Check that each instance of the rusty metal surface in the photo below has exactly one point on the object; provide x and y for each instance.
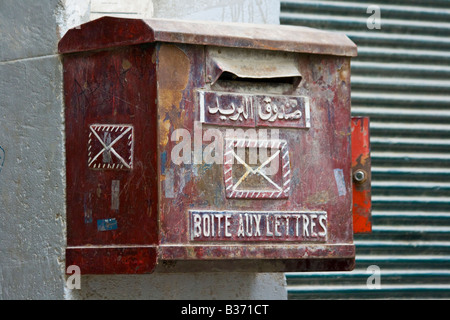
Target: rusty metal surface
(318, 170)
(361, 168)
(260, 265)
(256, 252)
(165, 167)
(112, 32)
(110, 173)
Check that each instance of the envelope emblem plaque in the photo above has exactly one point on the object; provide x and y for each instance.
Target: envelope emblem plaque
(110, 147)
(256, 169)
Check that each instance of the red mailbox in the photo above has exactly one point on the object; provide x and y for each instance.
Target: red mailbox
(201, 146)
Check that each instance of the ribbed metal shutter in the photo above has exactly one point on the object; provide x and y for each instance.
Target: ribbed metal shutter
(401, 79)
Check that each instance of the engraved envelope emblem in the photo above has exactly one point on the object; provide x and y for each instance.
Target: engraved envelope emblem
(257, 175)
(110, 146)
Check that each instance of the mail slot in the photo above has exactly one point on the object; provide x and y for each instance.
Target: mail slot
(201, 146)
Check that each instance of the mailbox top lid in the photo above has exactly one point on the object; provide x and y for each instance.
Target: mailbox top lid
(109, 32)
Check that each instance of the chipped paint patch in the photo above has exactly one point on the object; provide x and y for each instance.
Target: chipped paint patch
(169, 184)
(340, 181)
(163, 162)
(87, 205)
(174, 67)
(126, 64)
(107, 224)
(115, 191)
(320, 197)
(165, 129)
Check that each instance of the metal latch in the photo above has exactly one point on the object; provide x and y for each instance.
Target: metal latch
(361, 172)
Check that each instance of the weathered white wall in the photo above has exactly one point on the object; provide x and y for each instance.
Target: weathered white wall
(195, 286)
(32, 210)
(119, 8)
(71, 14)
(251, 11)
(32, 175)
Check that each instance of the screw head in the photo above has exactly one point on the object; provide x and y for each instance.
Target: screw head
(359, 176)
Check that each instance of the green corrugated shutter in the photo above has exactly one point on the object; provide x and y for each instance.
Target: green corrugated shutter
(401, 80)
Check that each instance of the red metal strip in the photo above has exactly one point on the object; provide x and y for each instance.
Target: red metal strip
(256, 251)
(361, 168)
(107, 260)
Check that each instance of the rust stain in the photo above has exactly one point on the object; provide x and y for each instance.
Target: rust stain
(126, 64)
(319, 197)
(164, 126)
(174, 69)
(344, 73)
(154, 56)
(99, 191)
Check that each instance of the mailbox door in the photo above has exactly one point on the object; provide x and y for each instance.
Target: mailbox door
(111, 159)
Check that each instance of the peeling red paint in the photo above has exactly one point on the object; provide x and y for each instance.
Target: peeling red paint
(361, 163)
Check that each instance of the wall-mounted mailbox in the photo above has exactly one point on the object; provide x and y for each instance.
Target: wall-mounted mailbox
(201, 146)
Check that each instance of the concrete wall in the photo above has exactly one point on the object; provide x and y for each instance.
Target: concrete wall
(32, 174)
(32, 209)
(252, 11)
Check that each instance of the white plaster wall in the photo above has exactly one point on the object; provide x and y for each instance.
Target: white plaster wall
(251, 11)
(32, 210)
(71, 14)
(195, 286)
(140, 9)
(32, 173)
